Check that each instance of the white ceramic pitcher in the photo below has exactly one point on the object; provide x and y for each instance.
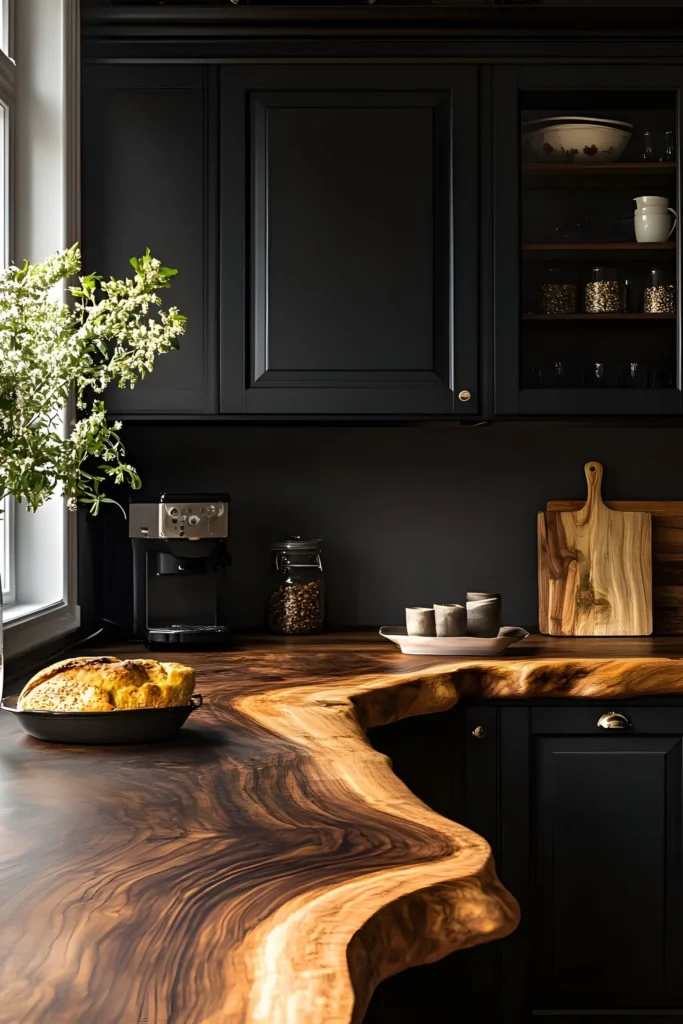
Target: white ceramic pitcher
(654, 219)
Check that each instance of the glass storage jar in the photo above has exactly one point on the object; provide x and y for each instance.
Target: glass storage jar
(559, 291)
(660, 294)
(604, 292)
(297, 599)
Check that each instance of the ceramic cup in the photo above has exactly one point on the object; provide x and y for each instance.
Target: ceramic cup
(483, 614)
(451, 619)
(651, 202)
(420, 621)
(654, 224)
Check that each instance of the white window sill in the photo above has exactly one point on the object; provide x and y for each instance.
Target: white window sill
(14, 611)
(27, 626)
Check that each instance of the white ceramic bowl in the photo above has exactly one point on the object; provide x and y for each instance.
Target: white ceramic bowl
(574, 119)
(580, 143)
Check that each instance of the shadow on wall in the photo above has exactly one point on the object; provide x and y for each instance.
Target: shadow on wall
(408, 514)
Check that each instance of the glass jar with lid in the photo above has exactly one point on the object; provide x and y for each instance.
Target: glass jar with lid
(603, 292)
(660, 294)
(297, 597)
(559, 291)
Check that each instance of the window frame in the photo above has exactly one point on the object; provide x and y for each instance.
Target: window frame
(45, 216)
(8, 109)
(8, 563)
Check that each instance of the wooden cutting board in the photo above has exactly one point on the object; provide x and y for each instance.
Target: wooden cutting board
(595, 568)
(667, 557)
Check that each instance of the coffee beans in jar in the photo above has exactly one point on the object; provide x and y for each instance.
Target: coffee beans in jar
(660, 295)
(660, 299)
(296, 608)
(604, 293)
(559, 291)
(297, 600)
(558, 298)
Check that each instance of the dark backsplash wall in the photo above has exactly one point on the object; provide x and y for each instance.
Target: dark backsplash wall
(409, 514)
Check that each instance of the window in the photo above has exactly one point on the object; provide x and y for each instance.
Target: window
(7, 551)
(39, 203)
(7, 92)
(7, 86)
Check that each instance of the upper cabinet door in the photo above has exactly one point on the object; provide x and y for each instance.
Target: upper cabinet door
(150, 155)
(586, 311)
(349, 241)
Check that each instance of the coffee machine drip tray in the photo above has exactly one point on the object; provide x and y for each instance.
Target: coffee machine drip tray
(187, 636)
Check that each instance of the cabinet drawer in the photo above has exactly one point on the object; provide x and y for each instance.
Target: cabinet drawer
(583, 720)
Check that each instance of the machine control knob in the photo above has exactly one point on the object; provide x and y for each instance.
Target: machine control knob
(194, 520)
(173, 512)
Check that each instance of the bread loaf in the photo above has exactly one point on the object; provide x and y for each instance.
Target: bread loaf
(108, 684)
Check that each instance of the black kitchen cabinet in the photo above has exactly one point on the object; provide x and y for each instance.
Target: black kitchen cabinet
(149, 179)
(352, 190)
(585, 317)
(361, 222)
(587, 827)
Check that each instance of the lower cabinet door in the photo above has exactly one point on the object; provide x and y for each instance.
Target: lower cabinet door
(606, 909)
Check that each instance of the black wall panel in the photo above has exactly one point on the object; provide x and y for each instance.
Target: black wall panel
(409, 514)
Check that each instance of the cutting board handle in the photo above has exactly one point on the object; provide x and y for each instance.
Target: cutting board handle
(593, 472)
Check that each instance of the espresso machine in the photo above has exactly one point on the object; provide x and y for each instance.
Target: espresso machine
(179, 560)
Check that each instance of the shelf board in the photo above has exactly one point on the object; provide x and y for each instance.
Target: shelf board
(631, 169)
(544, 318)
(643, 247)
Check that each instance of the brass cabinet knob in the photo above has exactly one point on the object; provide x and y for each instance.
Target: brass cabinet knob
(613, 721)
(479, 731)
(465, 396)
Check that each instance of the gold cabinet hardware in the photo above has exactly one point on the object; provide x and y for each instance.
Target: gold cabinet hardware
(479, 731)
(465, 395)
(613, 720)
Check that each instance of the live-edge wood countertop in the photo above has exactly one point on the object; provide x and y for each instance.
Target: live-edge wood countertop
(267, 867)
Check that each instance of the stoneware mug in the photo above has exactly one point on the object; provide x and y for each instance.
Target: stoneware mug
(450, 619)
(420, 621)
(483, 614)
(654, 223)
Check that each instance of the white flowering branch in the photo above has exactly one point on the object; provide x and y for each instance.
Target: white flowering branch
(50, 350)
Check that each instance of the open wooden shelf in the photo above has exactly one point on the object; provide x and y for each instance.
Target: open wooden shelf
(542, 318)
(599, 246)
(632, 169)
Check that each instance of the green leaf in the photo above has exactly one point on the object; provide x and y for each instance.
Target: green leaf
(107, 335)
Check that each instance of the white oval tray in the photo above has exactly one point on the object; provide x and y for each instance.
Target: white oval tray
(455, 646)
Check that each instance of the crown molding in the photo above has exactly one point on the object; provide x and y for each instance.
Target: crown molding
(429, 21)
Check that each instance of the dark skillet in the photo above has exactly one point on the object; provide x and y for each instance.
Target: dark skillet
(142, 725)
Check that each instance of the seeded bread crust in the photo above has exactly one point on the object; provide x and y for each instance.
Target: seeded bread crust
(108, 684)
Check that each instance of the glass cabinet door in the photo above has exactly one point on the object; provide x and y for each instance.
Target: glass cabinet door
(587, 268)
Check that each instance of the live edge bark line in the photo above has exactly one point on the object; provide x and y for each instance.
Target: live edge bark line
(268, 866)
(449, 898)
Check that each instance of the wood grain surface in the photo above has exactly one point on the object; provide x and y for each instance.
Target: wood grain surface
(267, 866)
(667, 557)
(595, 568)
